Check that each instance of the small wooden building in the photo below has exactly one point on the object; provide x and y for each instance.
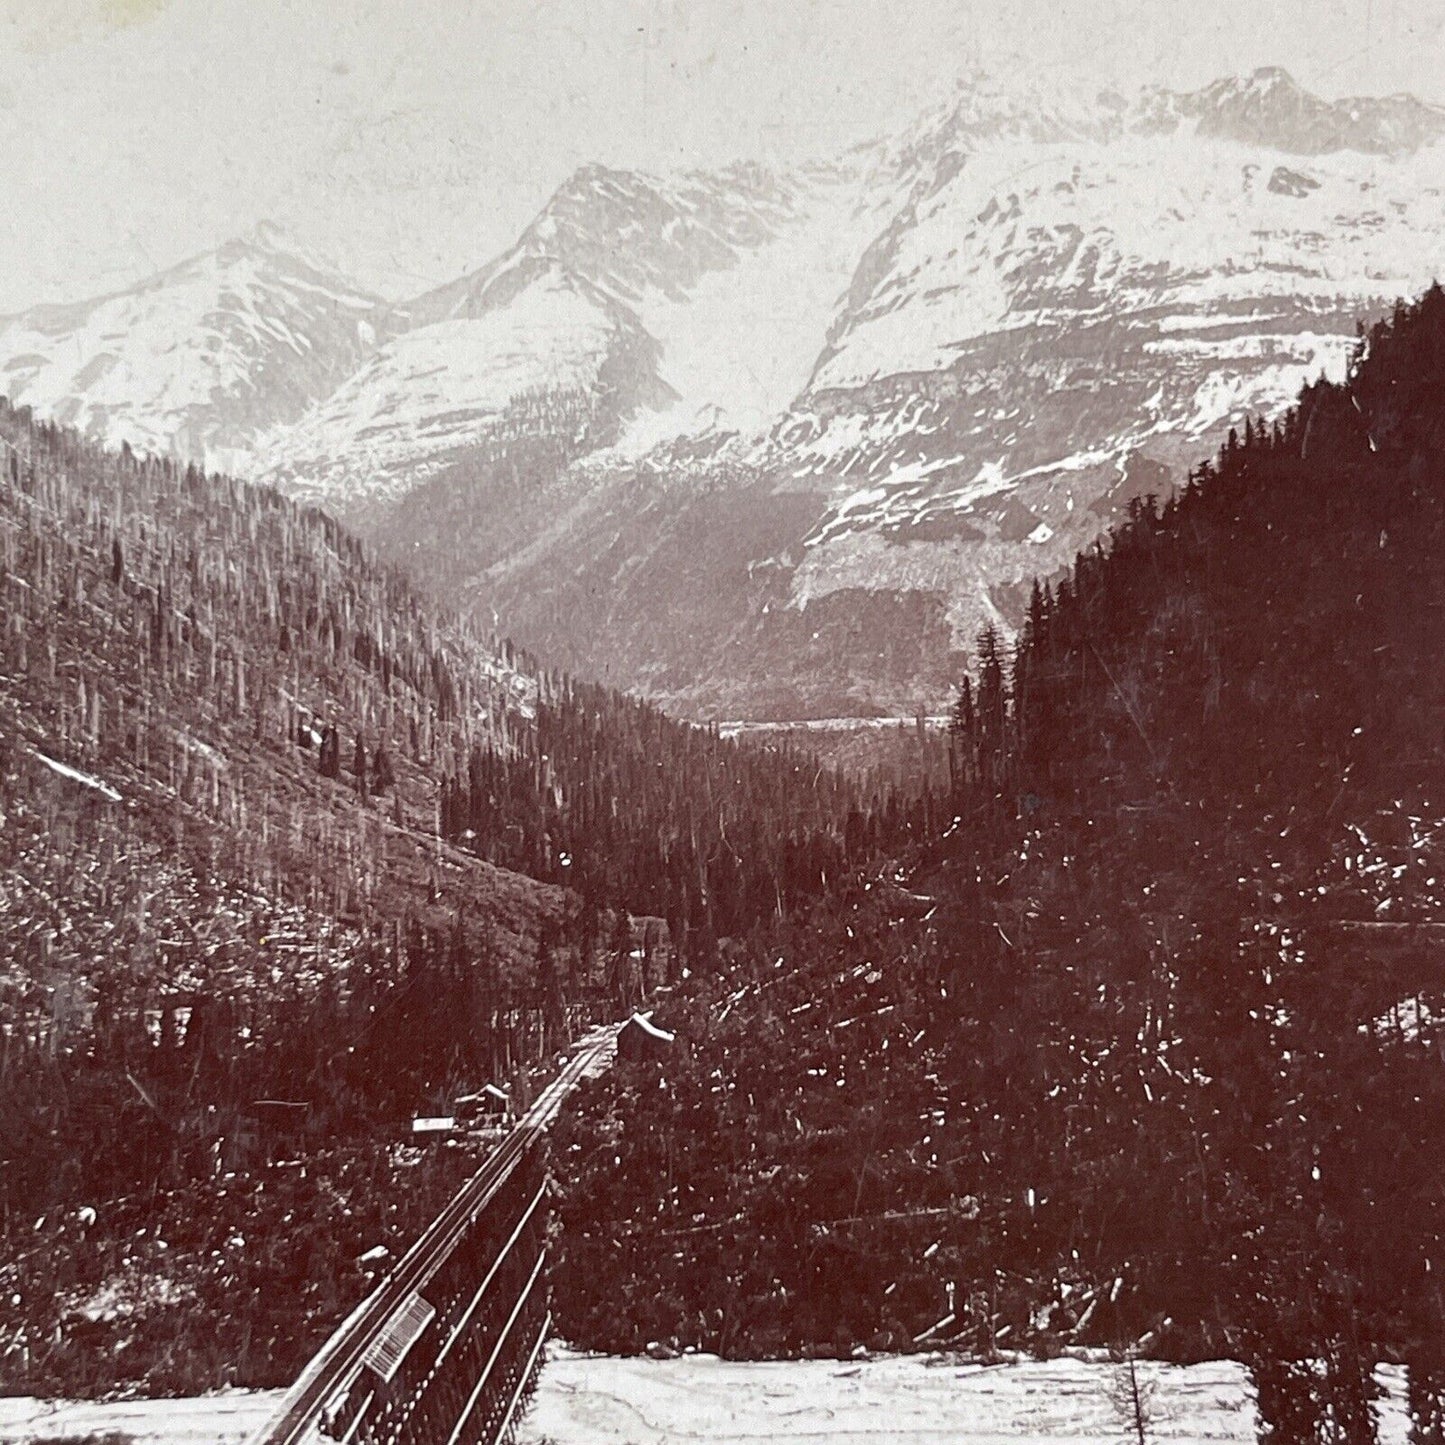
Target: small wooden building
(640, 1038)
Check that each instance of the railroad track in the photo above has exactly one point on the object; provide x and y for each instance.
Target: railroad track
(340, 1359)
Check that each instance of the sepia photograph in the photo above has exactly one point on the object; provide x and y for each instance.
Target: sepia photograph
(722, 721)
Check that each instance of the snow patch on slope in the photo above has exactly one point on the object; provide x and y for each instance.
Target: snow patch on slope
(74, 775)
(741, 344)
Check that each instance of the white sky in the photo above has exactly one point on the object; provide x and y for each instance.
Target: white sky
(411, 139)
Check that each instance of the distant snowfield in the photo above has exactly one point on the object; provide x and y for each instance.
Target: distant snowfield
(192, 344)
(1138, 224)
(437, 389)
(599, 1400)
(742, 343)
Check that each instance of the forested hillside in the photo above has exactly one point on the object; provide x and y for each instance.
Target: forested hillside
(1144, 1045)
(274, 826)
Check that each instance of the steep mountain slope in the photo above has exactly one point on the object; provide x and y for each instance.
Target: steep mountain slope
(176, 651)
(198, 360)
(440, 389)
(289, 851)
(886, 390)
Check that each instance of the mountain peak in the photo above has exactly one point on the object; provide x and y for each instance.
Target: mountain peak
(1264, 107)
(271, 236)
(270, 241)
(633, 232)
(1266, 79)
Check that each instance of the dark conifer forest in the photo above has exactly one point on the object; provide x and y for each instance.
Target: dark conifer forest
(1143, 1045)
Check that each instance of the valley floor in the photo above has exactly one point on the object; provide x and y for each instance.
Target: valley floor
(596, 1400)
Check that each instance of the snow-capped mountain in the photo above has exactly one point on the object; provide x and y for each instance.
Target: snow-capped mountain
(628, 292)
(199, 359)
(1049, 305)
(1268, 109)
(762, 441)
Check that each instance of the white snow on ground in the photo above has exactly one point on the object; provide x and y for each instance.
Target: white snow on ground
(76, 776)
(593, 1400)
(597, 1400)
(212, 1420)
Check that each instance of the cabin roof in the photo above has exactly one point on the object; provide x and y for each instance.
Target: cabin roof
(643, 1022)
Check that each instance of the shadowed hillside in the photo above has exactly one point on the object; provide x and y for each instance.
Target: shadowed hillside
(1146, 1045)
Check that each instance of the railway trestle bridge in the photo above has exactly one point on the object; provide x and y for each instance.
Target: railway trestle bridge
(445, 1351)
